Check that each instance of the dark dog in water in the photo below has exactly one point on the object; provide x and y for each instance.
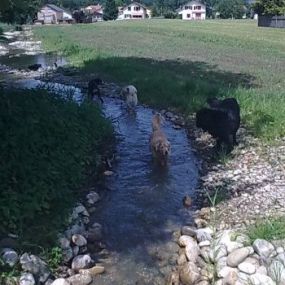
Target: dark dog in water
(231, 107)
(93, 88)
(35, 67)
(218, 124)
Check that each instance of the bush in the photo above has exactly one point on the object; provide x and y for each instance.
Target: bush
(47, 145)
(170, 15)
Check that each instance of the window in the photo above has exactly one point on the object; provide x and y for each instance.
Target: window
(186, 7)
(137, 16)
(127, 16)
(188, 16)
(197, 7)
(129, 8)
(137, 8)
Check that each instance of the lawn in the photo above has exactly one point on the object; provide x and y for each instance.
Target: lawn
(179, 64)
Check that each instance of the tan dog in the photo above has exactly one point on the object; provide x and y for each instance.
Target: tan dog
(159, 144)
(129, 94)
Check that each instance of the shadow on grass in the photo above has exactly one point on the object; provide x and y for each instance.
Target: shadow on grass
(176, 84)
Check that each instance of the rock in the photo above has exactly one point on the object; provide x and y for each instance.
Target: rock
(95, 233)
(279, 250)
(200, 223)
(243, 239)
(93, 271)
(9, 256)
(108, 173)
(205, 253)
(184, 240)
(260, 279)
(173, 279)
(261, 270)
(230, 278)
(225, 271)
(67, 255)
(75, 229)
(204, 243)
(238, 256)
(60, 281)
(191, 247)
(218, 252)
(276, 271)
(247, 268)
(75, 250)
(233, 246)
(81, 210)
(189, 273)
(36, 266)
(181, 259)
(81, 262)
(221, 263)
(187, 201)
(204, 234)
(64, 243)
(79, 240)
(92, 198)
(204, 282)
(263, 247)
(27, 279)
(188, 231)
(80, 279)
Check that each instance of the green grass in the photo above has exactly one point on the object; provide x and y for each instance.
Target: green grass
(49, 147)
(179, 64)
(269, 229)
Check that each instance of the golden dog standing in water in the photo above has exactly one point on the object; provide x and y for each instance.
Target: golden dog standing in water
(159, 144)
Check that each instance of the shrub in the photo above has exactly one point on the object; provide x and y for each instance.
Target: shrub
(170, 15)
(47, 145)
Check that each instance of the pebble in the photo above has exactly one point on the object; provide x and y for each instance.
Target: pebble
(80, 279)
(247, 268)
(81, 262)
(263, 247)
(93, 271)
(79, 240)
(238, 256)
(60, 281)
(9, 256)
(260, 279)
(27, 279)
(189, 273)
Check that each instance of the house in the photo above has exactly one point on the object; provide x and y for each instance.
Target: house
(193, 10)
(94, 13)
(134, 11)
(52, 14)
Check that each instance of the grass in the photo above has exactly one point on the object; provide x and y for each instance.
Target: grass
(269, 229)
(179, 64)
(49, 146)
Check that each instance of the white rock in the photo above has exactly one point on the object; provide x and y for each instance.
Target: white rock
(276, 271)
(27, 279)
(80, 279)
(192, 250)
(279, 250)
(80, 209)
(261, 270)
(204, 243)
(189, 273)
(238, 256)
(263, 247)
(81, 262)
(64, 243)
(221, 263)
(92, 198)
(79, 240)
(75, 250)
(60, 281)
(230, 278)
(260, 279)
(184, 240)
(226, 271)
(247, 268)
(9, 256)
(231, 246)
(204, 234)
(218, 252)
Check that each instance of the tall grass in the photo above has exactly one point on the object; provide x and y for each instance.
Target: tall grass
(48, 147)
(178, 64)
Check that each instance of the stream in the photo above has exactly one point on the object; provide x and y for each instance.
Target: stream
(141, 204)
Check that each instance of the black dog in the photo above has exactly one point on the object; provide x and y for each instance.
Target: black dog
(93, 89)
(35, 67)
(218, 124)
(231, 107)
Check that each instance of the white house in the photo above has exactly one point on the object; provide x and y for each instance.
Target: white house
(51, 14)
(94, 13)
(134, 11)
(193, 10)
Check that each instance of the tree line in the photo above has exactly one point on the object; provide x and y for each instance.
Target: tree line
(23, 11)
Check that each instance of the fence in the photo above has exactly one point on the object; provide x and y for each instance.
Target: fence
(271, 21)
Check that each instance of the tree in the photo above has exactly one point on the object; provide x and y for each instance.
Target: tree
(110, 11)
(18, 11)
(231, 8)
(269, 7)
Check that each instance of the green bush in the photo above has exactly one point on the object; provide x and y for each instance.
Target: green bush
(47, 146)
(170, 15)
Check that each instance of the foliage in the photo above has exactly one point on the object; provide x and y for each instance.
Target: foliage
(170, 15)
(18, 11)
(269, 7)
(268, 229)
(178, 64)
(110, 11)
(231, 9)
(47, 145)
(53, 257)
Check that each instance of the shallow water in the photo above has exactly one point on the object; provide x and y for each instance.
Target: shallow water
(144, 204)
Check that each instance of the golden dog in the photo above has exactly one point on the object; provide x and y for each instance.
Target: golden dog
(159, 144)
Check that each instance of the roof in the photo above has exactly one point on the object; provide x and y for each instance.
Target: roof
(94, 7)
(55, 8)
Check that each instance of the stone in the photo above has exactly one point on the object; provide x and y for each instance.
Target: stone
(95, 233)
(200, 223)
(67, 255)
(238, 256)
(75, 229)
(36, 266)
(92, 198)
(79, 240)
(204, 243)
(108, 173)
(276, 271)
(226, 271)
(185, 240)
(60, 281)
(187, 201)
(260, 279)
(263, 247)
(64, 243)
(233, 246)
(181, 259)
(189, 273)
(93, 271)
(80, 279)
(80, 209)
(75, 250)
(204, 234)
(261, 270)
(218, 252)
(192, 251)
(188, 231)
(9, 256)
(205, 253)
(81, 262)
(279, 250)
(230, 278)
(173, 279)
(27, 279)
(247, 268)
(221, 263)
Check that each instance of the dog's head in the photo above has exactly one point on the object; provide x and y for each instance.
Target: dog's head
(213, 102)
(163, 148)
(129, 90)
